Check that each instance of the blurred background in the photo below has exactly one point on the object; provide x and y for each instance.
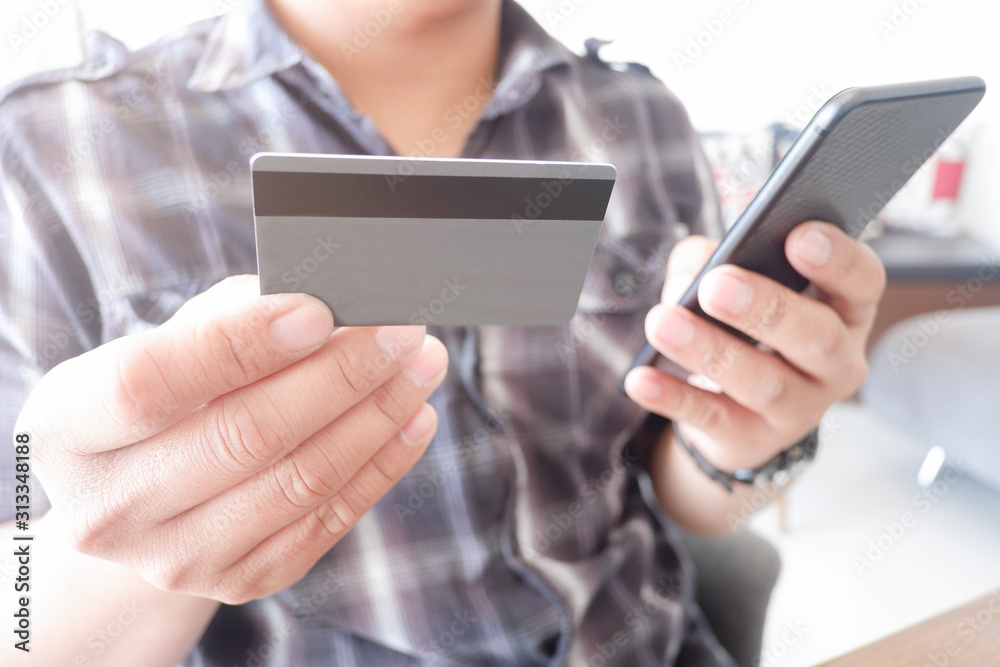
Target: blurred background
(752, 73)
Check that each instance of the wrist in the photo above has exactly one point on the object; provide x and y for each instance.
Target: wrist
(776, 470)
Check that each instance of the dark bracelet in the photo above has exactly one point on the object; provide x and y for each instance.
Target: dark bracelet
(779, 471)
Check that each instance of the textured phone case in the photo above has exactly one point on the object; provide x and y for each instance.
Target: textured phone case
(867, 155)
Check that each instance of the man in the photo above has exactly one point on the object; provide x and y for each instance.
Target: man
(375, 497)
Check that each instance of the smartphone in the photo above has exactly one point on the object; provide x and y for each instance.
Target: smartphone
(855, 154)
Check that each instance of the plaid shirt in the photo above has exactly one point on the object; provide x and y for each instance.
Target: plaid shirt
(527, 534)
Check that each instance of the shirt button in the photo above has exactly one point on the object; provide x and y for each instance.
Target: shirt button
(625, 283)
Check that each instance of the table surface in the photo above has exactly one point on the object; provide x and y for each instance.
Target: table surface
(968, 636)
(917, 257)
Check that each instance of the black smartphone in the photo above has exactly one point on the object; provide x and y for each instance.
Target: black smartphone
(859, 149)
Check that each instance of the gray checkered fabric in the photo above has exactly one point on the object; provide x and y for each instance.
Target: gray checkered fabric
(527, 534)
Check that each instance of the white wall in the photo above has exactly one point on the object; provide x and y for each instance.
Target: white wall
(764, 63)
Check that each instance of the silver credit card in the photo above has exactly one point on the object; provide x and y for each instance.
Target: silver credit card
(392, 240)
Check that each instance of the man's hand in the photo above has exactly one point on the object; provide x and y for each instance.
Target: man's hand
(768, 399)
(224, 452)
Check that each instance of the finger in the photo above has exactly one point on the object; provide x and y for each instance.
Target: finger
(716, 417)
(685, 262)
(134, 387)
(217, 532)
(848, 273)
(244, 432)
(280, 560)
(807, 333)
(753, 378)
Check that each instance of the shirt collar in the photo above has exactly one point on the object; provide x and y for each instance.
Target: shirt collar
(243, 46)
(248, 44)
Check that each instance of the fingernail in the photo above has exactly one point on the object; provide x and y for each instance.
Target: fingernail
(638, 385)
(674, 330)
(419, 426)
(814, 247)
(307, 326)
(727, 292)
(429, 364)
(399, 341)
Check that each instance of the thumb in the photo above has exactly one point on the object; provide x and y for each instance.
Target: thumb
(136, 386)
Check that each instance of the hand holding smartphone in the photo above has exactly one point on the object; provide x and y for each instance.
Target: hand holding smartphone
(855, 154)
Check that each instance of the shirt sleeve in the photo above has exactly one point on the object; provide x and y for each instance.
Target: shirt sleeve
(48, 311)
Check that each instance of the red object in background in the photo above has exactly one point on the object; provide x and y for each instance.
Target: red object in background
(947, 179)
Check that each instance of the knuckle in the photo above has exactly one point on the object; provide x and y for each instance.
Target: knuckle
(386, 473)
(242, 441)
(717, 358)
(684, 406)
(331, 520)
(239, 595)
(709, 415)
(231, 351)
(96, 527)
(240, 587)
(349, 371)
(391, 405)
(299, 486)
(772, 315)
(84, 538)
(173, 574)
(771, 388)
(825, 343)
